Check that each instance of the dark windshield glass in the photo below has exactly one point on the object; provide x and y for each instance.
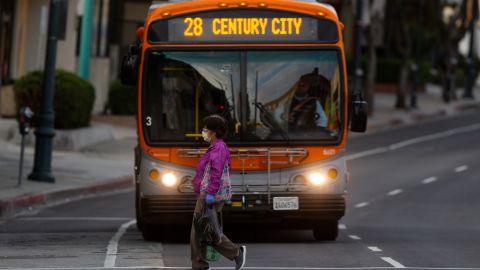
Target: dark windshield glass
(290, 96)
(184, 87)
(293, 95)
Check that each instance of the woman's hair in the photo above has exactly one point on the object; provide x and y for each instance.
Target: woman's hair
(217, 124)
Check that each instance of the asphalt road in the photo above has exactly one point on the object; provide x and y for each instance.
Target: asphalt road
(413, 202)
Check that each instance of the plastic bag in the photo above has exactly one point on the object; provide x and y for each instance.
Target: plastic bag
(208, 227)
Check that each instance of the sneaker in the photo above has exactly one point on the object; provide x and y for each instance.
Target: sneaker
(241, 258)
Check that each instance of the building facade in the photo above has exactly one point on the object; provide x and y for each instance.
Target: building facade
(23, 37)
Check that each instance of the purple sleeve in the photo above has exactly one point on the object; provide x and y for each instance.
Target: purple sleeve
(217, 160)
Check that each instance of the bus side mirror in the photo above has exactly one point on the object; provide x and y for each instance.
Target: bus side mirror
(129, 70)
(359, 116)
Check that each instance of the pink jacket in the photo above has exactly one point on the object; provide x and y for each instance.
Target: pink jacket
(217, 154)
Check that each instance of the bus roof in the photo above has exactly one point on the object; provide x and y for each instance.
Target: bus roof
(159, 3)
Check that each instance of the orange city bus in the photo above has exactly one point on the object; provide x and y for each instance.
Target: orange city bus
(275, 70)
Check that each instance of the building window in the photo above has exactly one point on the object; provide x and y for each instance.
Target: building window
(99, 38)
(6, 38)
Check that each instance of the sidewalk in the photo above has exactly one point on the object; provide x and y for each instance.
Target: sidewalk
(108, 166)
(100, 168)
(429, 106)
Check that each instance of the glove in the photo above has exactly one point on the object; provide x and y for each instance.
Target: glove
(209, 199)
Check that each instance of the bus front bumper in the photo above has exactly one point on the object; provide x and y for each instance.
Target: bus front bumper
(251, 209)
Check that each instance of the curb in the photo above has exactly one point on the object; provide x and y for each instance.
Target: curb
(415, 117)
(11, 206)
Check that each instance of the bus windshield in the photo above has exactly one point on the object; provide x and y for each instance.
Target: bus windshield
(292, 96)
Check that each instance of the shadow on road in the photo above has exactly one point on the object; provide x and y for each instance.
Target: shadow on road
(182, 236)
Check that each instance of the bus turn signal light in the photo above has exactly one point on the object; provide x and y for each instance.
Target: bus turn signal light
(332, 173)
(154, 174)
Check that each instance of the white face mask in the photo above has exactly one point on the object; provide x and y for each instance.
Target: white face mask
(205, 136)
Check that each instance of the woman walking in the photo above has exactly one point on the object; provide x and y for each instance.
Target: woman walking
(208, 184)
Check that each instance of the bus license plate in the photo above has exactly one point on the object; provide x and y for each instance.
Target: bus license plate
(285, 203)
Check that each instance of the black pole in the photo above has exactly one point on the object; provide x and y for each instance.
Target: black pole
(42, 167)
(20, 166)
(358, 50)
(99, 28)
(470, 80)
(415, 65)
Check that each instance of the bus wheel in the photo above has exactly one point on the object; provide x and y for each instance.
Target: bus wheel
(137, 209)
(149, 233)
(326, 231)
(154, 232)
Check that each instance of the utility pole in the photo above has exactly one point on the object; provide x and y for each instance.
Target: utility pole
(470, 80)
(85, 39)
(42, 167)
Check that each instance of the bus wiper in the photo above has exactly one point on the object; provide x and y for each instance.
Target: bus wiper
(233, 99)
(266, 117)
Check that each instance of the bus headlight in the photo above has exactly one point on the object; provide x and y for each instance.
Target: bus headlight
(298, 180)
(317, 179)
(186, 184)
(169, 179)
(323, 177)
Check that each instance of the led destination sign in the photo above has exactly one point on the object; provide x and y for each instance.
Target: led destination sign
(244, 27)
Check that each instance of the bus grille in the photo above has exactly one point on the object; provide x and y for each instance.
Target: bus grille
(186, 203)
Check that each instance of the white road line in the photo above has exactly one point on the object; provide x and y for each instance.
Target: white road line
(362, 204)
(375, 249)
(249, 267)
(101, 268)
(188, 268)
(393, 262)
(429, 180)
(342, 227)
(73, 219)
(413, 141)
(461, 168)
(112, 248)
(367, 153)
(355, 237)
(395, 192)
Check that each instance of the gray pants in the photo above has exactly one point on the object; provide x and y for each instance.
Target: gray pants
(228, 249)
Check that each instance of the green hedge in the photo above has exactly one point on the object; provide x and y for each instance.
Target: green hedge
(73, 99)
(122, 99)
